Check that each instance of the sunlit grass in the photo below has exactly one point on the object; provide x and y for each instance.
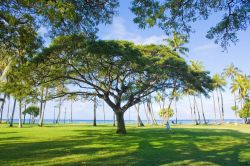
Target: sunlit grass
(87, 145)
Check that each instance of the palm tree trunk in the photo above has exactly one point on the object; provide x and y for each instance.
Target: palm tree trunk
(12, 115)
(71, 111)
(95, 106)
(198, 112)
(103, 110)
(151, 112)
(218, 100)
(191, 109)
(202, 110)
(146, 113)
(24, 116)
(139, 121)
(215, 119)
(222, 108)
(2, 106)
(194, 105)
(235, 105)
(114, 119)
(8, 118)
(43, 109)
(20, 114)
(64, 120)
(59, 111)
(175, 105)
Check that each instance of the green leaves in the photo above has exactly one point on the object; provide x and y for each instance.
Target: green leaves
(177, 16)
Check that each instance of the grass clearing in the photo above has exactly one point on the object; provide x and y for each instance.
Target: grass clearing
(81, 144)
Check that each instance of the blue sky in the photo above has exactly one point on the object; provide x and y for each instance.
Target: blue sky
(201, 49)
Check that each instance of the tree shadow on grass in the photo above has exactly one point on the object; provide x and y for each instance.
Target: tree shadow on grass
(141, 146)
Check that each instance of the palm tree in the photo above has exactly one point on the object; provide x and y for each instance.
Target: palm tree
(177, 42)
(198, 67)
(218, 83)
(241, 84)
(231, 72)
(160, 100)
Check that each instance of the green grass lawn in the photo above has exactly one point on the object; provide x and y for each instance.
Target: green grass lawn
(87, 145)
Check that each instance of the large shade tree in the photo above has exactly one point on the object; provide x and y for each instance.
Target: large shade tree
(178, 16)
(119, 72)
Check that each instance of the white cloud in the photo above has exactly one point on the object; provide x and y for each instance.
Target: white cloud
(206, 47)
(118, 31)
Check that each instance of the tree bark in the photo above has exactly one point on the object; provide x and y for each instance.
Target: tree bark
(2, 106)
(59, 113)
(222, 108)
(196, 121)
(146, 113)
(114, 119)
(215, 119)
(8, 117)
(43, 106)
(202, 110)
(121, 129)
(191, 109)
(103, 110)
(218, 99)
(12, 115)
(175, 111)
(139, 121)
(20, 114)
(71, 111)
(95, 106)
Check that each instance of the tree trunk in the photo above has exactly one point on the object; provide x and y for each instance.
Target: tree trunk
(202, 110)
(218, 100)
(198, 112)
(196, 121)
(222, 108)
(54, 118)
(215, 119)
(30, 119)
(12, 115)
(95, 106)
(103, 110)
(153, 121)
(191, 109)
(64, 119)
(2, 106)
(146, 113)
(175, 110)
(139, 121)
(43, 108)
(59, 113)
(8, 117)
(114, 119)
(71, 111)
(20, 114)
(120, 122)
(235, 105)
(24, 116)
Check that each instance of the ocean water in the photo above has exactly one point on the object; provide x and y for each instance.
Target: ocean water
(51, 121)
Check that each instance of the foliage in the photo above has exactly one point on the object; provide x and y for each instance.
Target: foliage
(32, 110)
(166, 112)
(178, 16)
(117, 69)
(245, 111)
(59, 17)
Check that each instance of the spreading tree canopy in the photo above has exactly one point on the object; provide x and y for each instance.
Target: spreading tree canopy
(119, 72)
(178, 16)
